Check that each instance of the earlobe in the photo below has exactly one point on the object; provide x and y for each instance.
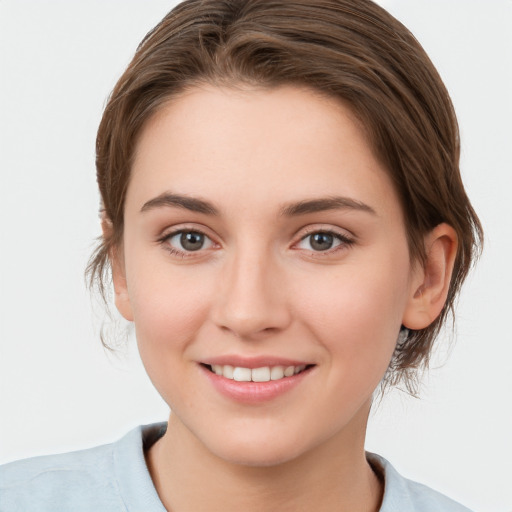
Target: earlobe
(122, 299)
(431, 282)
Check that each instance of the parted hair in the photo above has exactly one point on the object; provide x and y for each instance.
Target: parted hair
(352, 50)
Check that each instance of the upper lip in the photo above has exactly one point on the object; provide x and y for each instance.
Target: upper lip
(253, 362)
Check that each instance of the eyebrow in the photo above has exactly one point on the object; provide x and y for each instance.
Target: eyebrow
(194, 204)
(325, 204)
(175, 200)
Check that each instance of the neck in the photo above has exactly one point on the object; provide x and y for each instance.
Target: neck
(333, 477)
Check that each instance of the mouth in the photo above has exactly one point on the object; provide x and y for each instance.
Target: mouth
(261, 374)
(256, 380)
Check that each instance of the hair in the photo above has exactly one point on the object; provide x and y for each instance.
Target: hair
(352, 50)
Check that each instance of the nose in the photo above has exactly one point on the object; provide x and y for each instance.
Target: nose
(252, 300)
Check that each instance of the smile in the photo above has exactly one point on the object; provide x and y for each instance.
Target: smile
(262, 374)
(255, 380)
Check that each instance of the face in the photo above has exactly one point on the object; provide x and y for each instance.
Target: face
(265, 266)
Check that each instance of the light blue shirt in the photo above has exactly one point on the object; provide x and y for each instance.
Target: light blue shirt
(115, 478)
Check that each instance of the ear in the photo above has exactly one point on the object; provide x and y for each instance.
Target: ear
(116, 256)
(431, 282)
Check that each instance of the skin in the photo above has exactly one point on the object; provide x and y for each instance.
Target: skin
(258, 286)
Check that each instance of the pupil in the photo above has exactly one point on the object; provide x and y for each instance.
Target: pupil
(192, 241)
(321, 241)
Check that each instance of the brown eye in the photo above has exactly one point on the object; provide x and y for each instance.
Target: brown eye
(321, 241)
(192, 241)
(189, 241)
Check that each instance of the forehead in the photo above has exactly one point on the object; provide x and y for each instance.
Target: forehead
(261, 146)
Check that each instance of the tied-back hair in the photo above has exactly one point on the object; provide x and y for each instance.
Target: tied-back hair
(352, 50)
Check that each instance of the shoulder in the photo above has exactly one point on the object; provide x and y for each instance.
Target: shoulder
(98, 478)
(403, 494)
(78, 480)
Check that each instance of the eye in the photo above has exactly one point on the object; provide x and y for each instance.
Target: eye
(321, 241)
(188, 241)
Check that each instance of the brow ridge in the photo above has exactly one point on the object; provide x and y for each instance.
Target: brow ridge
(324, 204)
(168, 199)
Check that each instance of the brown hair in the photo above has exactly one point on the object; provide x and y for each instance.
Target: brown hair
(348, 49)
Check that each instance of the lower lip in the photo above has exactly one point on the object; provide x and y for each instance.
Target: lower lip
(254, 392)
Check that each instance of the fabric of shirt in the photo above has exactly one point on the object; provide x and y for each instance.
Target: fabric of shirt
(115, 478)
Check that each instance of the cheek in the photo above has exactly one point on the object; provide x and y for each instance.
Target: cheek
(168, 313)
(357, 313)
(169, 307)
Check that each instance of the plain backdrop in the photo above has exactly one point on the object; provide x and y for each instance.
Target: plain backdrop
(59, 390)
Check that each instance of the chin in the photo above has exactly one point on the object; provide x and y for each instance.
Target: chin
(257, 455)
(262, 448)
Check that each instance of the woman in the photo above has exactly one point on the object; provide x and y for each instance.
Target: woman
(287, 230)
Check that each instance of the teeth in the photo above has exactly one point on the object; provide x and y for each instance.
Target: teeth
(263, 374)
(276, 373)
(260, 374)
(242, 374)
(227, 371)
(289, 371)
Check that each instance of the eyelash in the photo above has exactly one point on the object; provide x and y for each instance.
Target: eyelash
(164, 241)
(345, 241)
